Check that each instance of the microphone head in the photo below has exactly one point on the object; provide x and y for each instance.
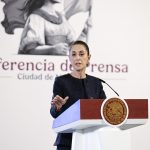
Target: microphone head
(102, 81)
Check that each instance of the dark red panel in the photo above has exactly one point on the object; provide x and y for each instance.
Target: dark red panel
(90, 108)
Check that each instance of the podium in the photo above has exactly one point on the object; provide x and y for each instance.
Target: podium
(84, 119)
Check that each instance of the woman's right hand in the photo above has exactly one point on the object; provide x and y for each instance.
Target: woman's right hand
(58, 101)
(61, 48)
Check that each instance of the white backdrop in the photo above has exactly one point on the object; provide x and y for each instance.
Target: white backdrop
(119, 37)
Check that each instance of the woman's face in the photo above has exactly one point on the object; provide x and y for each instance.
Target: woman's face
(79, 57)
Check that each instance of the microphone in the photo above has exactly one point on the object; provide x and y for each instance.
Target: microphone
(109, 86)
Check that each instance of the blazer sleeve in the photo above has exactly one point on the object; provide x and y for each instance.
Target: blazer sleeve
(57, 90)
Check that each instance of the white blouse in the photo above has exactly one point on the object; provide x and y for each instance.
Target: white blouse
(42, 28)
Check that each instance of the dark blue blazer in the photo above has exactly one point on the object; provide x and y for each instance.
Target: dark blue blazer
(67, 85)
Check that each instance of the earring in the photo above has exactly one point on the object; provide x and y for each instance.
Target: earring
(88, 64)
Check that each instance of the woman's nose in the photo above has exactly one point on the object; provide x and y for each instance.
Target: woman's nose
(77, 56)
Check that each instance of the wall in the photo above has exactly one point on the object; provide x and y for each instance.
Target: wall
(119, 43)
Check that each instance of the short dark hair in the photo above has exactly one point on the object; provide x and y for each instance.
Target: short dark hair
(81, 43)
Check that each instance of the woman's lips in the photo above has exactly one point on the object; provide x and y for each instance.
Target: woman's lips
(77, 64)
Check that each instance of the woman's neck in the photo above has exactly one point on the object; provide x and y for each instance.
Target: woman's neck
(78, 74)
(48, 7)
